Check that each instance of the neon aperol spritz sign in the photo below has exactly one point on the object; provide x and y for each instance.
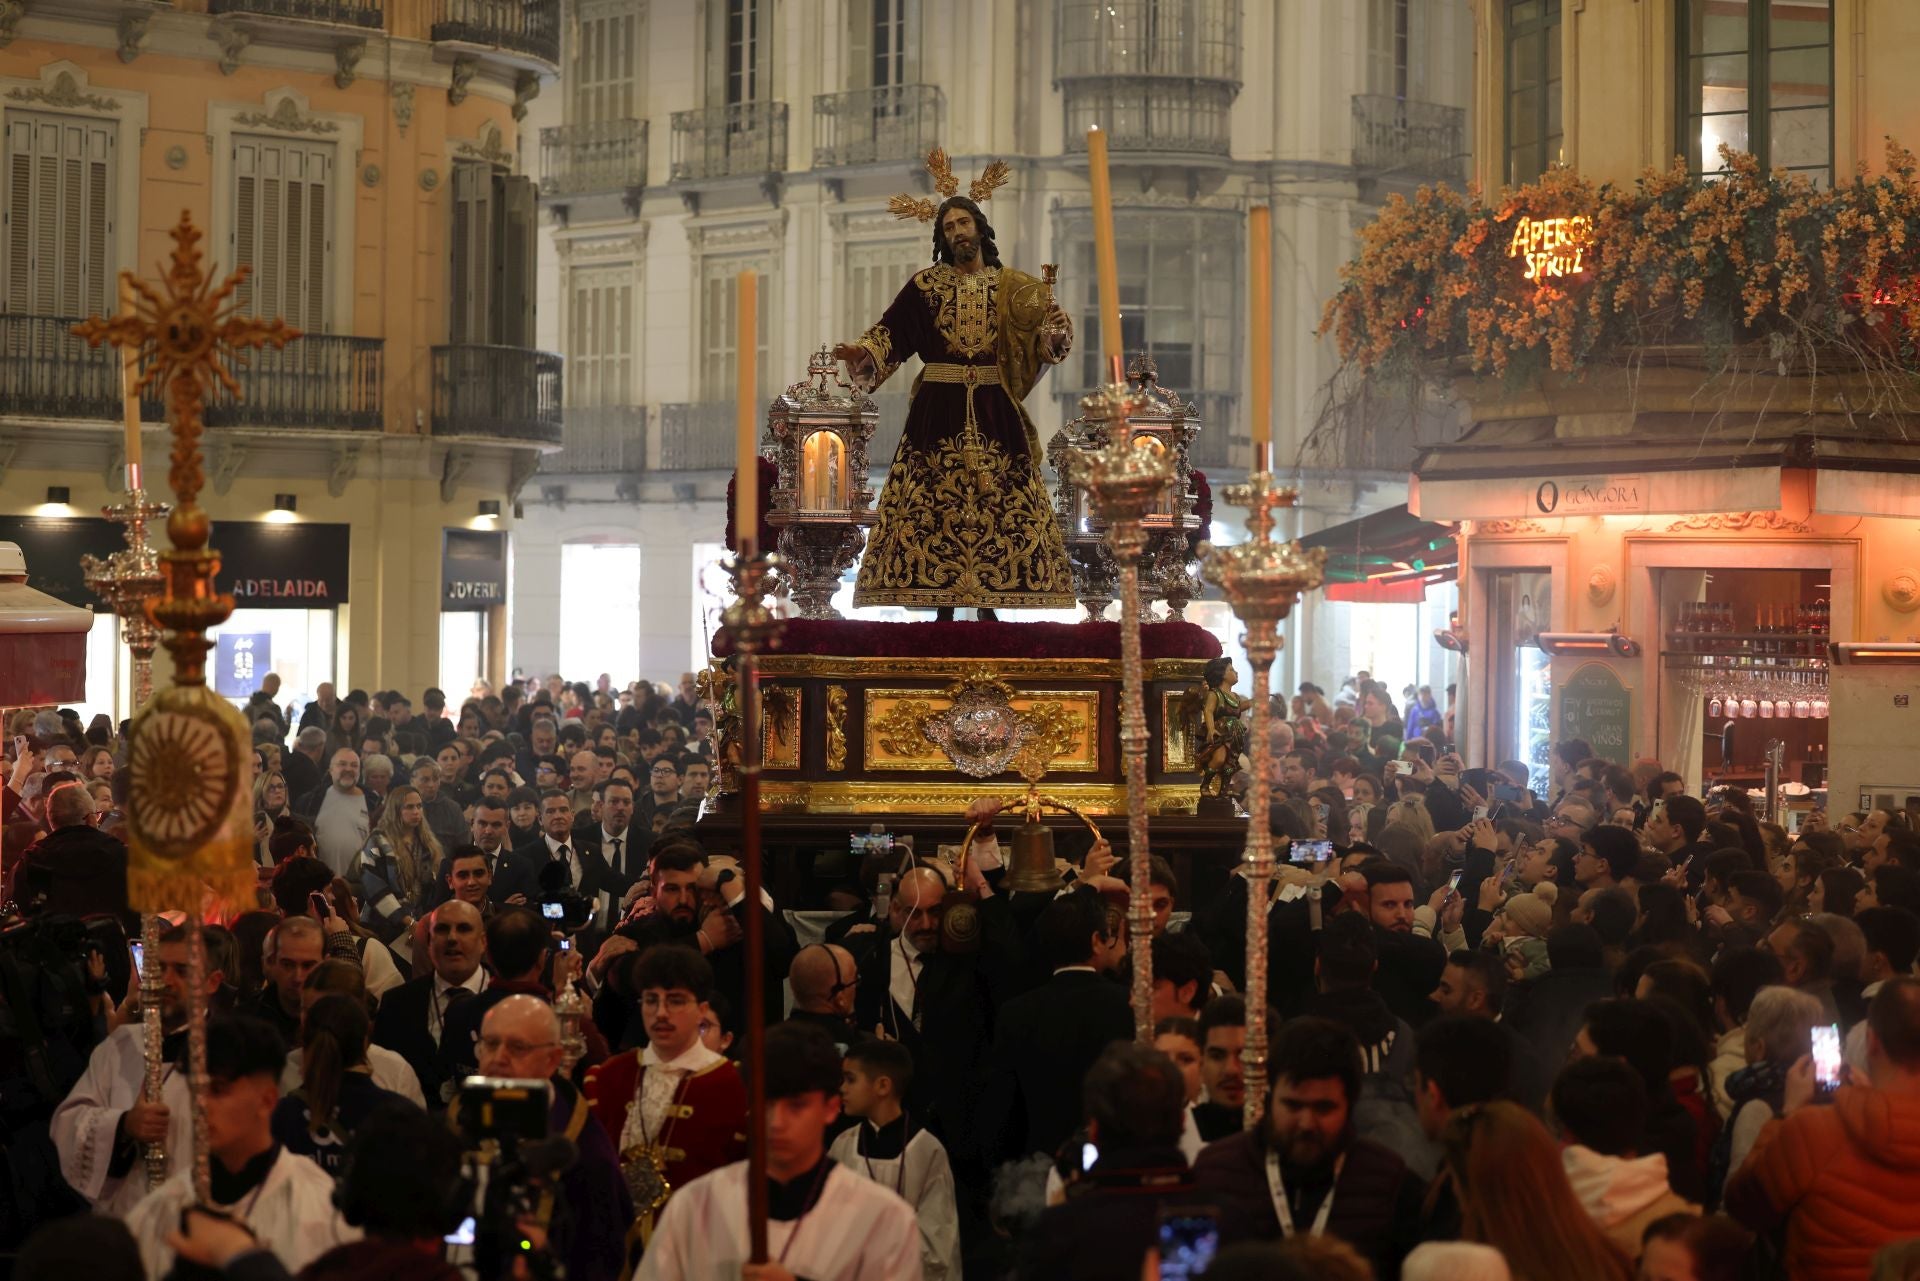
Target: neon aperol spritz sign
(1553, 248)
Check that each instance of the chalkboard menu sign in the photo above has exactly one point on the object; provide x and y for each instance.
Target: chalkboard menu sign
(1595, 706)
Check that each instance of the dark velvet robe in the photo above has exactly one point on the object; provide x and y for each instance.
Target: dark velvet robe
(965, 518)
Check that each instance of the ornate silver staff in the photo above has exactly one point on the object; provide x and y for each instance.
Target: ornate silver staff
(1124, 483)
(1261, 580)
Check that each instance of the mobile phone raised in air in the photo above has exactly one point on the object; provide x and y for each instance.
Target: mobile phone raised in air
(1826, 1059)
(139, 955)
(1189, 1238)
(1303, 853)
(1453, 882)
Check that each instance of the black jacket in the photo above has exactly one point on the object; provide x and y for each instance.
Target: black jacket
(595, 876)
(959, 993)
(1043, 1044)
(1110, 1219)
(614, 1006)
(635, 842)
(1548, 1012)
(1410, 967)
(301, 773)
(1376, 1202)
(76, 871)
(400, 1025)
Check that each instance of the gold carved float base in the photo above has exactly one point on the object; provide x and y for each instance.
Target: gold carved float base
(880, 736)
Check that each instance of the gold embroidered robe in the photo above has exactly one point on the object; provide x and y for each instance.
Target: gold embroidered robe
(964, 517)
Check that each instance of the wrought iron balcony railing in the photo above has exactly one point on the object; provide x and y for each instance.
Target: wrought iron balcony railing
(742, 140)
(1164, 114)
(876, 126)
(321, 381)
(697, 436)
(600, 440)
(1398, 136)
(599, 155)
(46, 372)
(345, 13)
(531, 27)
(509, 393)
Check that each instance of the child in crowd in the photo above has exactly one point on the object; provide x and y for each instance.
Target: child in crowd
(890, 1149)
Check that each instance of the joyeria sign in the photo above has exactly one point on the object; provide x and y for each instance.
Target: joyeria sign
(1553, 248)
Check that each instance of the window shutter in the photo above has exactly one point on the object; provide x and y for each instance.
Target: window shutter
(472, 251)
(860, 43)
(59, 214)
(519, 249)
(282, 229)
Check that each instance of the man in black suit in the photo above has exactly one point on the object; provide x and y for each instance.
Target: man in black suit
(936, 1002)
(585, 872)
(699, 903)
(1046, 1039)
(412, 1016)
(607, 829)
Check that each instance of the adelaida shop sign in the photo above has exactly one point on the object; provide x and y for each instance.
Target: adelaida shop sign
(266, 566)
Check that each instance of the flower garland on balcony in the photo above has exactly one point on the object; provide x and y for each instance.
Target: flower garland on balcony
(1564, 275)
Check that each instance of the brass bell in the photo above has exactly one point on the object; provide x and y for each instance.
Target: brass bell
(1031, 870)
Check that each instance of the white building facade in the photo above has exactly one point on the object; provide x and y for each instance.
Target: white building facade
(688, 140)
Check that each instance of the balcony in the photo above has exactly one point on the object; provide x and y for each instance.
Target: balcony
(342, 13)
(1397, 137)
(876, 126)
(697, 437)
(1152, 114)
(748, 139)
(1159, 78)
(505, 393)
(46, 372)
(530, 27)
(600, 440)
(321, 382)
(601, 155)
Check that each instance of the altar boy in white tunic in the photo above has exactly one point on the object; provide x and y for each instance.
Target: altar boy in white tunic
(826, 1223)
(99, 1127)
(890, 1147)
(285, 1200)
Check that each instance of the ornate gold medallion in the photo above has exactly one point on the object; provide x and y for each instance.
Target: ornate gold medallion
(645, 1168)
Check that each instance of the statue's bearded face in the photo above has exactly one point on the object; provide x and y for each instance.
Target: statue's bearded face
(962, 234)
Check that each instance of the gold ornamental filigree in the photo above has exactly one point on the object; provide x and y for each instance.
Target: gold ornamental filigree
(1521, 526)
(980, 190)
(979, 730)
(977, 530)
(1054, 730)
(836, 729)
(902, 730)
(797, 796)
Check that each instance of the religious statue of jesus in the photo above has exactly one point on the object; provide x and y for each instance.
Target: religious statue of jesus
(964, 516)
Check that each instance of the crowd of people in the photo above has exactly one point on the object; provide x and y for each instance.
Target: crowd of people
(1540, 1020)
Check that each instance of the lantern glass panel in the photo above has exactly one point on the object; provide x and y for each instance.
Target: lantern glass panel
(823, 473)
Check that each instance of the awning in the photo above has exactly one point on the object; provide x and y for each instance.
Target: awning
(43, 641)
(1393, 554)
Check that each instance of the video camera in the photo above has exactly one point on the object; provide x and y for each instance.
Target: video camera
(504, 1123)
(563, 907)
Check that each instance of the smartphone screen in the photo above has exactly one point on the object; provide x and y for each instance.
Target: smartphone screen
(1453, 883)
(462, 1235)
(1305, 852)
(139, 955)
(553, 911)
(1088, 1155)
(1189, 1238)
(1826, 1058)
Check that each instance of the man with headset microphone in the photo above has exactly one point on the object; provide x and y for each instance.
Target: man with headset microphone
(824, 978)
